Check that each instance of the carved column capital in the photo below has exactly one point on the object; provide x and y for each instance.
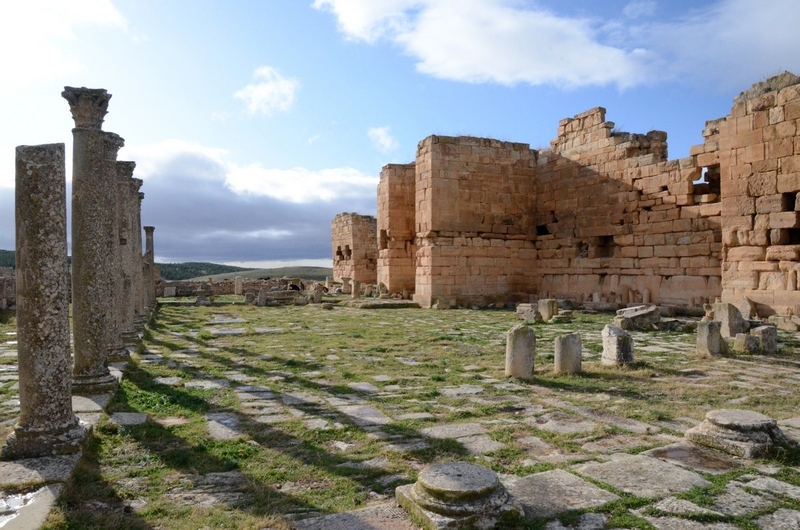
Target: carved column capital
(149, 229)
(88, 105)
(114, 143)
(125, 169)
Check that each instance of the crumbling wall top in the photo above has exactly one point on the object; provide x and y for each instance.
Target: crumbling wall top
(772, 84)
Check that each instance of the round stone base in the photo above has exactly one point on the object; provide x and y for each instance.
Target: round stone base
(34, 444)
(744, 433)
(93, 384)
(456, 495)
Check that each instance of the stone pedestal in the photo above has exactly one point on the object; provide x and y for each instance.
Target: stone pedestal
(355, 290)
(617, 346)
(548, 308)
(94, 242)
(238, 283)
(709, 339)
(520, 352)
(47, 425)
(346, 289)
(569, 353)
(261, 301)
(456, 495)
(744, 433)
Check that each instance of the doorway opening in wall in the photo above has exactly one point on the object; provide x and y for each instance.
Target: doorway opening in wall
(605, 247)
(707, 185)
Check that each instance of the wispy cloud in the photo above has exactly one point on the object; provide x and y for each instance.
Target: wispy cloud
(382, 140)
(269, 93)
(31, 33)
(720, 43)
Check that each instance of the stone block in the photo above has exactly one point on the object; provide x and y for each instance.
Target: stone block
(520, 352)
(746, 343)
(767, 338)
(709, 339)
(617, 346)
(548, 308)
(730, 319)
(568, 354)
(642, 318)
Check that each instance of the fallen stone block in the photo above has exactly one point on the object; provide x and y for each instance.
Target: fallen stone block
(767, 338)
(641, 318)
(746, 343)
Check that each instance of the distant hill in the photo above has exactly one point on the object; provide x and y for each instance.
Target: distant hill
(306, 273)
(192, 269)
(7, 258)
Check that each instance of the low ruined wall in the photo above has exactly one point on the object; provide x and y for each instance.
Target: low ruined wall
(192, 288)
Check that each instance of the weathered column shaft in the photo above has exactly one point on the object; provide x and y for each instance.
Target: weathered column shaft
(150, 279)
(94, 240)
(139, 266)
(47, 424)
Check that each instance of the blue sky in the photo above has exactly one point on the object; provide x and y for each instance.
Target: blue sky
(254, 122)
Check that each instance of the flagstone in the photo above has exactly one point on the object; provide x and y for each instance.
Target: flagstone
(552, 492)
(643, 476)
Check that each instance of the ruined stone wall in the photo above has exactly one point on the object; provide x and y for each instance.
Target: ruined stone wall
(8, 288)
(475, 201)
(759, 152)
(192, 288)
(618, 222)
(396, 268)
(355, 247)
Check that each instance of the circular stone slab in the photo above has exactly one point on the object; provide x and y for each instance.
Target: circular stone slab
(456, 481)
(741, 420)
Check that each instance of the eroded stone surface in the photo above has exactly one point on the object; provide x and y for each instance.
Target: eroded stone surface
(643, 476)
(552, 492)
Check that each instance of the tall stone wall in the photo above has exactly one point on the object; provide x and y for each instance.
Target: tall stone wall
(355, 248)
(475, 200)
(604, 215)
(759, 152)
(396, 234)
(616, 220)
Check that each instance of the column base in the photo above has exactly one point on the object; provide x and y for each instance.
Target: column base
(33, 444)
(89, 385)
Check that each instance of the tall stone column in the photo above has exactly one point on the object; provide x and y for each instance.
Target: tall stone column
(94, 241)
(118, 351)
(47, 424)
(127, 193)
(150, 279)
(140, 319)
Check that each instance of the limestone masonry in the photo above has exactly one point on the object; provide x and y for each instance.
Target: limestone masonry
(600, 216)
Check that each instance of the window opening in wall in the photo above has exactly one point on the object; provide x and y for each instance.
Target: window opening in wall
(605, 247)
(347, 252)
(542, 230)
(339, 254)
(383, 240)
(789, 202)
(708, 184)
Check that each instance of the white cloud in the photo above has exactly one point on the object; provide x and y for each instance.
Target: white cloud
(382, 140)
(300, 185)
(640, 9)
(725, 43)
(269, 93)
(210, 166)
(31, 33)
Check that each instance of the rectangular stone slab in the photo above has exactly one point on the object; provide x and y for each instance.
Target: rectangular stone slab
(643, 476)
(552, 492)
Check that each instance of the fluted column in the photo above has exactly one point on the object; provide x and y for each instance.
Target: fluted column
(47, 424)
(94, 241)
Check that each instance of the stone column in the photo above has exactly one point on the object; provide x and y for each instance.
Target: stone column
(47, 424)
(150, 279)
(129, 202)
(94, 241)
(520, 352)
(141, 318)
(118, 351)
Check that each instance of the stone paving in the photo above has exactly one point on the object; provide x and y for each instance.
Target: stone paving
(556, 447)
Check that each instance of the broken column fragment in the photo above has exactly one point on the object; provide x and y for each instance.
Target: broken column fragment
(46, 424)
(94, 242)
(617, 345)
(709, 339)
(568, 355)
(730, 319)
(520, 352)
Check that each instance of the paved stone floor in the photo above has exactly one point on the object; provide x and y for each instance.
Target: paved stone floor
(557, 445)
